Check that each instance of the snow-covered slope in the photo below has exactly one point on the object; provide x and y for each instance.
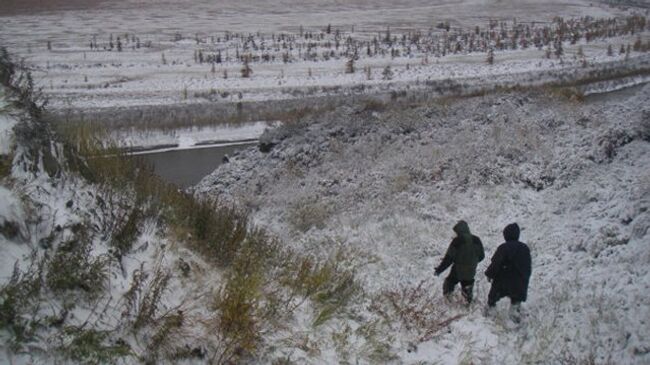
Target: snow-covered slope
(386, 184)
(89, 271)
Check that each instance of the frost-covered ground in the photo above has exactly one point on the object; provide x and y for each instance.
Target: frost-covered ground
(165, 70)
(387, 184)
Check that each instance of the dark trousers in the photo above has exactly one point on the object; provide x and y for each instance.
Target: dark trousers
(497, 293)
(467, 286)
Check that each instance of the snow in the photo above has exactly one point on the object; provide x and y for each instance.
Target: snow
(146, 84)
(48, 212)
(11, 212)
(188, 138)
(73, 76)
(392, 184)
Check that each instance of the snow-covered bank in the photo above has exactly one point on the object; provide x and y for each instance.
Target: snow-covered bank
(193, 147)
(389, 185)
(151, 141)
(616, 85)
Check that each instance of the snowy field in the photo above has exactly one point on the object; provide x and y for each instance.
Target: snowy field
(75, 57)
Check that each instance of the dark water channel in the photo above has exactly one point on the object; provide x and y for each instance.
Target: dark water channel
(187, 167)
(617, 95)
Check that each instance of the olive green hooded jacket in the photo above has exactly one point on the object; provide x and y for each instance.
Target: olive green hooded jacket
(464, 252)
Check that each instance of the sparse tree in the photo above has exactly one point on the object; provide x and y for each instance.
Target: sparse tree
(387, 39)
(490, 56)
(368, 71)
(246, 70)
(164, 60)
(559, 50)
(638, 44)
(349, 66)
(610, 50)
(49, 45)
(387, 73)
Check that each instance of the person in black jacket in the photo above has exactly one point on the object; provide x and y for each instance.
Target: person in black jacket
(464, 252)
(510, 270)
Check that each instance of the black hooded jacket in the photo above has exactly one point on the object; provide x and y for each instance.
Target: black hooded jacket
(511, 265)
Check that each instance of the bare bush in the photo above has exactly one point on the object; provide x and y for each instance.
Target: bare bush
(420, 310)
(308, 213)
(328, 284)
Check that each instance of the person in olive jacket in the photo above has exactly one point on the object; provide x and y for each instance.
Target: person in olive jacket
(464, 252)
(510, 270)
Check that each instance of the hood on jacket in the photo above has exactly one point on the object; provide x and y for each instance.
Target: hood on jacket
(511, 232)
(461, 228)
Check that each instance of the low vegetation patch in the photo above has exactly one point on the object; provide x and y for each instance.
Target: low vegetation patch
(90, 346)
(19, 298)
(74, 268)
(309, 213)
(5, 165)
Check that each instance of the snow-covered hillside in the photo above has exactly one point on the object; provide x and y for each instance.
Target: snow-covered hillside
(68, 292)
(102, 263)
(385, 184)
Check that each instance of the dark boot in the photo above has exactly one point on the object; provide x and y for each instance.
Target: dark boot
(467, 291)
(449, 285)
